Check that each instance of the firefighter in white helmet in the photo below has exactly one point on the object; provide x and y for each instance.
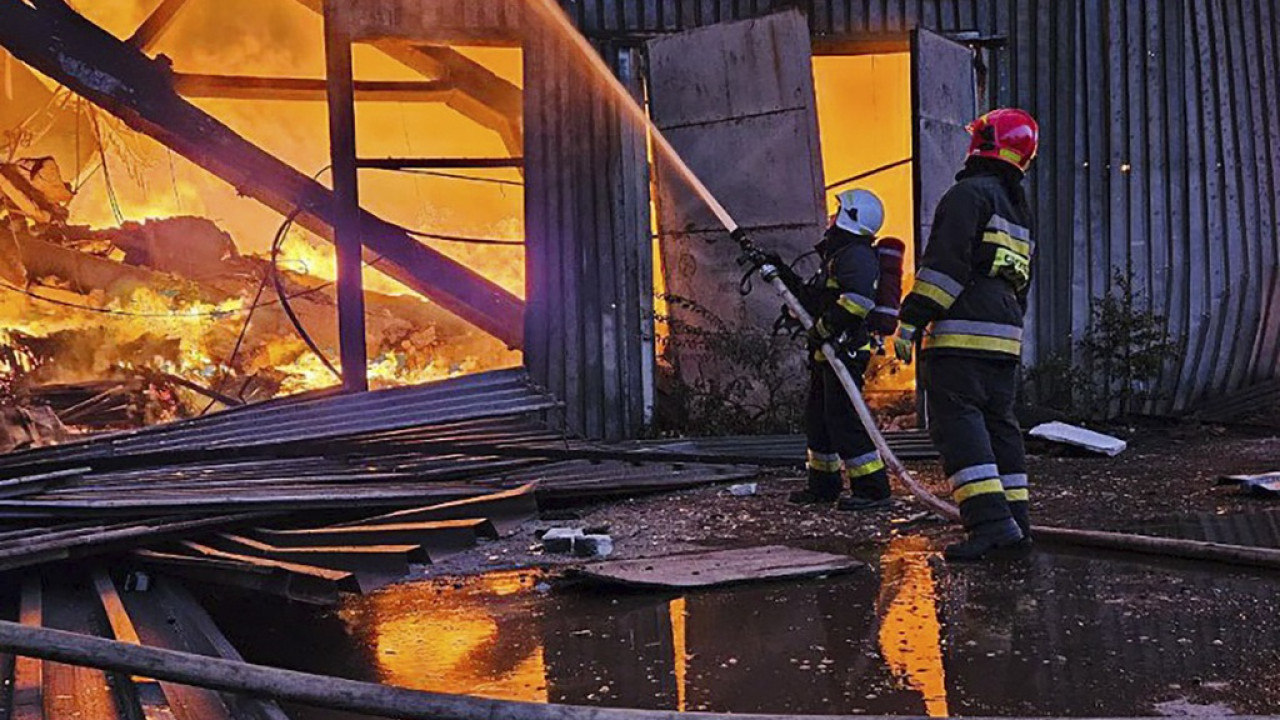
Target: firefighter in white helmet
(842, 299)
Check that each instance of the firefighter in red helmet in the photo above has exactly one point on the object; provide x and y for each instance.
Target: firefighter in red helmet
(966, 314)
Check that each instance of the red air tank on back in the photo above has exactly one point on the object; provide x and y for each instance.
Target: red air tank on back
(883, 320)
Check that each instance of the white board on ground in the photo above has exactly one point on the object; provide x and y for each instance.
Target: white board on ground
(1079, 437)
(720, 567)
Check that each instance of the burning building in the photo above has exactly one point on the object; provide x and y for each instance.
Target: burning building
(510, 209)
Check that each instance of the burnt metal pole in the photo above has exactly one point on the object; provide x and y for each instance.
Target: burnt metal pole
(346, 198)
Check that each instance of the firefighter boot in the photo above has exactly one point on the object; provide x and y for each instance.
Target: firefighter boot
(870, 492)
(997, 538)
(991, 529)
(824, 488)
(1021, 512)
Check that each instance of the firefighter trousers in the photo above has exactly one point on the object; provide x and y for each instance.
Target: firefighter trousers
(971, 421)
(839, 447)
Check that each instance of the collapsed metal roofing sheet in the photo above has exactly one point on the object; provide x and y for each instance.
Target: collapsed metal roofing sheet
(312, 419)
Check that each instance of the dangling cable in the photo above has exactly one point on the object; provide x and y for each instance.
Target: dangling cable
(284, 301)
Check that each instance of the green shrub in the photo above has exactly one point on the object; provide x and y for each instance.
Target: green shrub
(1116, 364)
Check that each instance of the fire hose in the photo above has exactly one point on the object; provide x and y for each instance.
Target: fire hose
(771, 271)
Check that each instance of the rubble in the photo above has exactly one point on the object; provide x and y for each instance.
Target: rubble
(157, 320)
(29, 427)
(560, 540)
(189, 247)
(1266, 485)
(593, 546)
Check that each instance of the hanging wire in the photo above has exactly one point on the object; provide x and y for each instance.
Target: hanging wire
(284, 302)
(459, 238)
(173, 179)
(244, 330)
(106, 170)
(272, 274)
(462, 176)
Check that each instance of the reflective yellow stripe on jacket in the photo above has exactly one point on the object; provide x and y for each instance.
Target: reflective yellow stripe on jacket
(938, 287)
(974, 335)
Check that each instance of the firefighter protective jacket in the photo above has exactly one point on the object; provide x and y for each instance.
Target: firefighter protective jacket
(971, 285)
(846, 286)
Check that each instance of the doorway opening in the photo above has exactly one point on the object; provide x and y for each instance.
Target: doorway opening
(865, 126)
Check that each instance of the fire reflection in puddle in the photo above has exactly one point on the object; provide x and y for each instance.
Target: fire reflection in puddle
(910, 633)
(472, 637)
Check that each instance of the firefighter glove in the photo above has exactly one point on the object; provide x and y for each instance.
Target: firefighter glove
(819, 333)
(904, 343)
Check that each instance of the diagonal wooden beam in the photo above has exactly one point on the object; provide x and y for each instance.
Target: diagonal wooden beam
(122, 81)
(479, 94)
(156, 24)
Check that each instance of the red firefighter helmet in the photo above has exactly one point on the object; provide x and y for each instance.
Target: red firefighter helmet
(1006, 134)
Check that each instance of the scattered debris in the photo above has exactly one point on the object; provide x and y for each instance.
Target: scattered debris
(593, 546)
(146, 317)
(29, 427)
(1074, 436)
(560, 540)
(1265, 485)
(720, 567)
(743, 489)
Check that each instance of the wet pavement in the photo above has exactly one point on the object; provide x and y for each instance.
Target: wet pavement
(1059, 634)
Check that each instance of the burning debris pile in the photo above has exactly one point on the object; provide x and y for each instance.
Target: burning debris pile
(156, 320)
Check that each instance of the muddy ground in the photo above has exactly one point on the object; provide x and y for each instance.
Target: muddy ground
(1167, 473)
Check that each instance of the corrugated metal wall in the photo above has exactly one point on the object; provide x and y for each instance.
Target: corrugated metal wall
(1161, 127)
(589, 319)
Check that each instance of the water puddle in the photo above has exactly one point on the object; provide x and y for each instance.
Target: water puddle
(1058, 635)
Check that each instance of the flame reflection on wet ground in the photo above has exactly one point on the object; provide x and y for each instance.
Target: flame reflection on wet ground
(1059, 635)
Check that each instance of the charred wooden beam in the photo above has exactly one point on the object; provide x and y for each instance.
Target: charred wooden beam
(437, 537)
(201, 390)
(346, 202)
(250, 574)
(121, 80)
(245, 87)
(385, 560)
(97, 539)
(170, 598)
(139, 619)
(156, 23)
(493, 23)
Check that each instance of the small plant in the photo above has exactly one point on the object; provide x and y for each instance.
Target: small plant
(726, 380)
(1117, 362)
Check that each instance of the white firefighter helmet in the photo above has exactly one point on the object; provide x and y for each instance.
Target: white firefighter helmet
(861, 212)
